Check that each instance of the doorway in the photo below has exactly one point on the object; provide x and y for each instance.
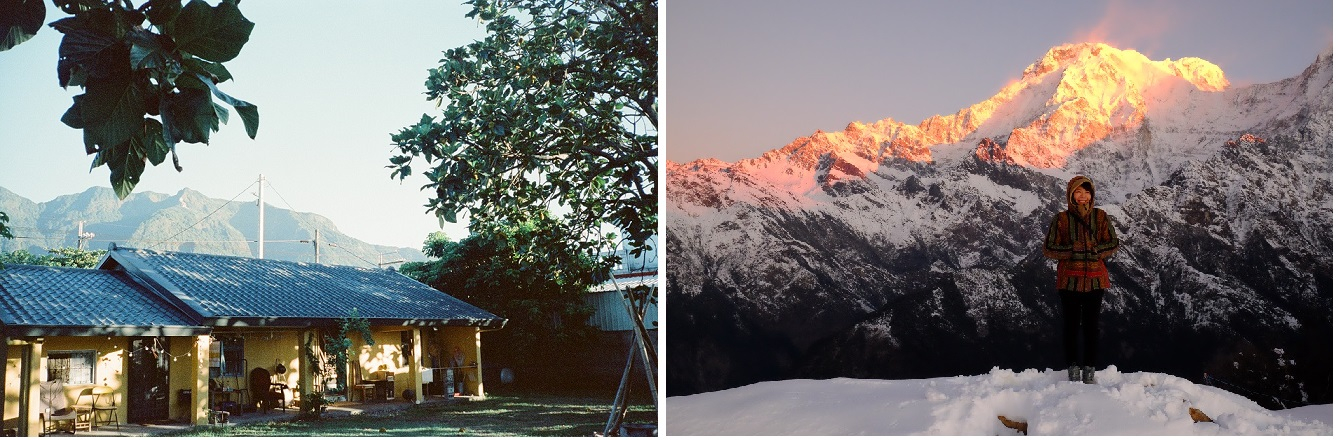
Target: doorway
(148, 385)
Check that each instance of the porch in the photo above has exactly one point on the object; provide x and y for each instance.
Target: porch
(334, 410)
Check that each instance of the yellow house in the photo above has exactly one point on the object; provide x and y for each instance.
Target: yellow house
(173, 335)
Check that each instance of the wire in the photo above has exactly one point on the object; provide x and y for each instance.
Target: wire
(132, 240)
(312, 227)
(215, 211)
(359, 257)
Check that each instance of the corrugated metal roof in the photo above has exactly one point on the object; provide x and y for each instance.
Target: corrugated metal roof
(221, 287)
(623, 283)
(64, 300)
(609, 304)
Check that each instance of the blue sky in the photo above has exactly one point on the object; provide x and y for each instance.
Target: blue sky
(748, 76)
(332, 80)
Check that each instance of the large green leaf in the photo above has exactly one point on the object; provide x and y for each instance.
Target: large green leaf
(147, 50)
(190, 116)
(155, 147)
(126, 161)
(212, 33)
(19, 21)
(74, 116)
(112, 111)
(250, 114)
(215, 70)
(88, 46)
(162, 13)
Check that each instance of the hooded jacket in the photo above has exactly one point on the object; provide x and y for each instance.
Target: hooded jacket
(1081, 242)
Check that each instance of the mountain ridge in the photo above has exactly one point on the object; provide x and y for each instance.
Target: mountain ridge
(187, 221)
(846, 262)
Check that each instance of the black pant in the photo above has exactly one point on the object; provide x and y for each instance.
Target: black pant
(1080, 313)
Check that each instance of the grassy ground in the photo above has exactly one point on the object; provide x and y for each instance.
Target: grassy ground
(523, 415)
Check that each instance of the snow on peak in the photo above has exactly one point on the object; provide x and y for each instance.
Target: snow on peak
(1120, 404)
(1092, 91)
(1201, 73)
(1073, 96)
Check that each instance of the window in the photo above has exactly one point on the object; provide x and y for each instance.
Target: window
(72, 367)
(227, 357)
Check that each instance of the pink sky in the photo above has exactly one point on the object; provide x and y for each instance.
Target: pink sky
(748, 76)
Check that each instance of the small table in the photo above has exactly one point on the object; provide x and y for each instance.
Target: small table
(225, 395)
(384, 389)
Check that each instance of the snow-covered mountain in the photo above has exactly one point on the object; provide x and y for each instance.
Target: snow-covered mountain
(1041, 403)
(891, 250)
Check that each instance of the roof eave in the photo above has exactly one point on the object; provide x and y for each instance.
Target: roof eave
(110, 330)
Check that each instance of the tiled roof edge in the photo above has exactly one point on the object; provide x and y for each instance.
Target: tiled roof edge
(159, 285)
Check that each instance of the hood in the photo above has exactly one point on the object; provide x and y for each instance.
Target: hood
(1075, 183)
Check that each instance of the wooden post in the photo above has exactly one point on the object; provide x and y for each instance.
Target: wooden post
(4, 373)
(199, 395)
(33, 373)
(415, 367)
(305, 381)
(477, 347)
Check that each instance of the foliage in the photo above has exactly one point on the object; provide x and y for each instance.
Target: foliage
(59, 257)
(333, 359)
(5, 232)
(161, 59)
(337, 344)
(557, 106)
(312, 406)
(313, 400)
(540, 294)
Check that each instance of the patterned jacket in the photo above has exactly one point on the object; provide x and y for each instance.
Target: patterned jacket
(1081, 243)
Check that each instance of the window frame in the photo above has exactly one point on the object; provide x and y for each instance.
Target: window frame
(71, 355)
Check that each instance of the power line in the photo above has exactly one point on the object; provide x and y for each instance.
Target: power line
(132, 240)
(312, 227)
(215, 211)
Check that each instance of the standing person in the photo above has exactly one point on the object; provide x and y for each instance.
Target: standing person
(457, 361)
(1081, 238)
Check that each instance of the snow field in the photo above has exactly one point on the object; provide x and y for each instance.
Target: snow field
(1120, 404)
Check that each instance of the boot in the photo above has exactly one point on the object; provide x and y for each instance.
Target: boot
(1088, 375)
(1073, 373)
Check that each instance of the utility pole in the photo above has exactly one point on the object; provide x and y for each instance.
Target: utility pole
(83, 237)
(316, 243)
(260, 202)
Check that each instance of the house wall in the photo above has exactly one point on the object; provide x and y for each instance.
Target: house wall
(437, 346)
(180, 375)
(109, 369)
(261, 349)
(13, 382)
(269, 349)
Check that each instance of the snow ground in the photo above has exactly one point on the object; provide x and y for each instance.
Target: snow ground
(1120, 404)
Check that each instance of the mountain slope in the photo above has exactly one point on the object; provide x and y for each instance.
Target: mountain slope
(186, 221)
(893, 251)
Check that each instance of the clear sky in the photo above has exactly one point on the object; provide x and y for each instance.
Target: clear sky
(332, 80)
(747, 76)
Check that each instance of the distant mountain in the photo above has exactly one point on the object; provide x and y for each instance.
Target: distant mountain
(891, 250)
(186, 222)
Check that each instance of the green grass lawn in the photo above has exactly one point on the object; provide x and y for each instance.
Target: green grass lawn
(499, 415)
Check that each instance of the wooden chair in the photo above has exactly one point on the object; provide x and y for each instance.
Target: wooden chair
(366, 388)
(268, 394)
